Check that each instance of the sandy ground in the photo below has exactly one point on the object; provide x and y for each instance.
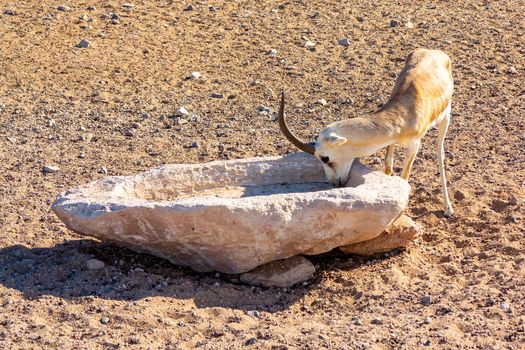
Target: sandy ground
(112, 105)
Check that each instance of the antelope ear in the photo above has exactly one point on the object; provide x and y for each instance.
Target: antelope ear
(336, 140)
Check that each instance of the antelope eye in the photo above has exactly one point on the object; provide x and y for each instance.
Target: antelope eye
(325, 159)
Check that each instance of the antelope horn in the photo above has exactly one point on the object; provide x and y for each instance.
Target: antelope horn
(306, 147)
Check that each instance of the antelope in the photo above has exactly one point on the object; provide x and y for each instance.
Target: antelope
(420, 101)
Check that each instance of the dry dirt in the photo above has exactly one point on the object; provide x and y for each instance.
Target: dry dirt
(112, 105)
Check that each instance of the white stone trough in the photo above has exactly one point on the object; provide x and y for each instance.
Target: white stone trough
(232, 216)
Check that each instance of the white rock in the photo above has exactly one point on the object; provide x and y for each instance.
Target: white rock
(194, 76)
(49, 169)
(64, 8)
(271, 52)
(321, 102)
(232, 216)
(409, 25)
(94, 264)
(181, 112)
(281, 273)
(309, 45)
(344, 42)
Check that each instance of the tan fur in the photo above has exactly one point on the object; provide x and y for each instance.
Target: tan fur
(419, 100)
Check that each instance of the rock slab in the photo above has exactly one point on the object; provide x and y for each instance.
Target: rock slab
(397, 235)
(232, 216)
(281, 273)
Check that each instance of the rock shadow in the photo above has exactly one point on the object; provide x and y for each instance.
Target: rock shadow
(62, 271)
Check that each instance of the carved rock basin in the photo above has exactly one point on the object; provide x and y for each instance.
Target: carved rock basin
(232, 216)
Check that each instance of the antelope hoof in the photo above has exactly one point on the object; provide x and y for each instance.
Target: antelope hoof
(449, 212)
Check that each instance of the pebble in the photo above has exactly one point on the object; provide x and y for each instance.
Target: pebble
(129, 132)
(513, 70)
(309, 45)
(51, 123)
(427, 320)
(9, 12)
(11, 139)
(83, 17)
(263, 109)
(104, 320)
(83, 44)
(181, 112)
(194, 76)
(394, 23)
(321, 102)
(253, 313)
(127, 5)
(212, 8)
(409, 25)
(91, 8)
(426, 300)
(216, 95)
(505, 306)
(102, 170)
(344, 42)
(64, 8)
(271, 52)
(50, 169)
(95, 264)
(114, 15)
(189, 8)
(115, 21)
(250, 341)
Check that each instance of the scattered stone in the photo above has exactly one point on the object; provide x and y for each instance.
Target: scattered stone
(271, 52)
(64, 8)
(344, 42)
(250, 341)
(95, 264)
(50, 169)
(115, 21)
(104, 320)
(281, 273)
(51, 123)
(263, 109)
(129, 132)
(216, 95)
(427, 320)
(212, 8)
(181, 112)
(128, 6)
(92, 8)
(512, 70)
(426, 342)
(232, 193)
(87, 137)
(459, 195)
(309, 45)
(505, 306)
(189, 8)
(426, 300)
(114, 15)
(195, 144)
(253, 313)
(83, 44)
(358, 322)
(377, 321)
(394, 23)
(409, 25)
(102, 170)
(12, 139)
(321, 102)
(194, 76)
(397, 235)
(9, 12)
(83, 17)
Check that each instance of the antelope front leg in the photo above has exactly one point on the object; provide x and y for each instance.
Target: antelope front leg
(442, 128)
(411, 156)
(389, 160)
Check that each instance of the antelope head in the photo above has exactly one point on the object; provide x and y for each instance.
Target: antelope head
(331, 149)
